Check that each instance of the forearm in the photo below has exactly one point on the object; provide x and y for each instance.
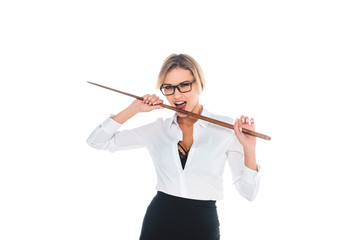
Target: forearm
(250, 158)
(107, 137)
(244, 169)
(125, 115)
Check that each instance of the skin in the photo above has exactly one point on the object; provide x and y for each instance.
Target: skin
(186, 123)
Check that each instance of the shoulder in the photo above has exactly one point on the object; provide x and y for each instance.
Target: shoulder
(223, 136)
(219, 117)
(222, 118)
(162, 123)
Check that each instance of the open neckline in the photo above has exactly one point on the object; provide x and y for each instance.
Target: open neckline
(186, 152)
(182, 157)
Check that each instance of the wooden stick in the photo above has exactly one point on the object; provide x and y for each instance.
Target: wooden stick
(195, 115)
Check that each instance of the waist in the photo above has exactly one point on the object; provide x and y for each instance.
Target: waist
(186, 201)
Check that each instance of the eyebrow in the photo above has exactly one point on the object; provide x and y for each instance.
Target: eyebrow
(186, 81)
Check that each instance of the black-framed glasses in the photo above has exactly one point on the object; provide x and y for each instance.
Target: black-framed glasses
(182, 87)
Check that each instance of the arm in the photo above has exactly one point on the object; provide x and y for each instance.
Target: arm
(242, 160)
(148, 104)
(106, 136)
(245, 179)
(248, 142)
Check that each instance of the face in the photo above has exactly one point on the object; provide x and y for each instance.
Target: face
(188, 101)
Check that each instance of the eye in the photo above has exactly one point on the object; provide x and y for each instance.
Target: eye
(185, 85)
(167, 87)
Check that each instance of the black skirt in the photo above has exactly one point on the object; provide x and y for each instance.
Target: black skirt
(171, 218)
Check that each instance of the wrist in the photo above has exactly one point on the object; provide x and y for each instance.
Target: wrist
(249, 149)
(132, 110)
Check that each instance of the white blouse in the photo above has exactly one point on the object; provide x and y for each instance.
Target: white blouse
(202, 177)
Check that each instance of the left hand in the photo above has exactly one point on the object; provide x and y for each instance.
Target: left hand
(246, 140)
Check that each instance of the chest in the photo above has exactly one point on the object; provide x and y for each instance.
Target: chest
(188, 139)
(206, 149)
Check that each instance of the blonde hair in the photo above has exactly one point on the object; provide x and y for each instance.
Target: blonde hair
(182, 61)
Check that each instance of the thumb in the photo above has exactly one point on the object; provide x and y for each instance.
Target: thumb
(237, 128)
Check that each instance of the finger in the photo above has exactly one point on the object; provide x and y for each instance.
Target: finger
(158, 101)
(146, 98)
(246, 119)
(252, 121)
(237, 127)
(240, 125)
(153, 99)
(236, 124)
(242, 121)
(150, 98)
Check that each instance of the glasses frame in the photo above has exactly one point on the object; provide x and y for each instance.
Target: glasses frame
(176, 86)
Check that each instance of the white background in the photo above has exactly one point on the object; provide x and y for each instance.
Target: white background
(292, 65)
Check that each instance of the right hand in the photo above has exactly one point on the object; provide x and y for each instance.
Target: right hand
(148, 104)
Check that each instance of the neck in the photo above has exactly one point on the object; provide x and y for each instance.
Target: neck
(190, 120)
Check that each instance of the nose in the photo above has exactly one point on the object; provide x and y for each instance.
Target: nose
(177, 93)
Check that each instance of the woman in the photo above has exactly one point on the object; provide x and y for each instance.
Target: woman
(189, 155)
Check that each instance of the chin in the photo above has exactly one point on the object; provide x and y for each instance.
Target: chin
(181, 115)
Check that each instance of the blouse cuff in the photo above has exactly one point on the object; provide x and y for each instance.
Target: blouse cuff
(250, 175)
(110, 125)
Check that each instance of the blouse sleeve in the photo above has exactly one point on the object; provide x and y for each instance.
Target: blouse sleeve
(107, 137)
(245, 179)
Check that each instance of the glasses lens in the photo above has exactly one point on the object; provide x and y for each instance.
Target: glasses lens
(167, 90)
(185, 87)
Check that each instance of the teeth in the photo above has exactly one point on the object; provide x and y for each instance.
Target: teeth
(178, 103)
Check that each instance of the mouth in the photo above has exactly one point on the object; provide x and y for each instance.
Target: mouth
(180, 104)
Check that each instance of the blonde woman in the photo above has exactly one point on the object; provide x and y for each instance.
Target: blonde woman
(189, 155)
